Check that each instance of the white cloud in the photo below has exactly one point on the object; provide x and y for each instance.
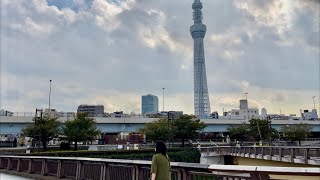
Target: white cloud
(125, 49)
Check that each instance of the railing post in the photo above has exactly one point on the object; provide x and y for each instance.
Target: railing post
(280, 154)
(262, 152)
(107, 167)
(43, 167)
(271, 150)
(179, 174)
(259, 175)
(78, 172)
(18, 165)
(183, 174)
(103, 171)
(134, 172)
(9, 162)
(59, 169)
(30, 166)
(306, 155)
(255, 152)
(292, 155)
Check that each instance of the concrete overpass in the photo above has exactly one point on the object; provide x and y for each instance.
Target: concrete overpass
(14, 124)
(291, 156)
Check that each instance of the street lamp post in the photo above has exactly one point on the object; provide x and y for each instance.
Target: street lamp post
(49, 98)
(269, 129)
(247, 106)
(170, 133)
(163, 99)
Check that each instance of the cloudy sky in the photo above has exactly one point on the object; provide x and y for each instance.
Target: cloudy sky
(111, 52)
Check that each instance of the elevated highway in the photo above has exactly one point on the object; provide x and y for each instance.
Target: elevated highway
(14, 124)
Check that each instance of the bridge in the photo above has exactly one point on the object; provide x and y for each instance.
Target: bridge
(286, 154)
(111, 169)
(14, 124)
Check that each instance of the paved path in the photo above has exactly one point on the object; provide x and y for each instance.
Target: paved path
(11, 177)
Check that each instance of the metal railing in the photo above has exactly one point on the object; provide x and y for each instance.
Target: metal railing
(115, 169)
(305, 155)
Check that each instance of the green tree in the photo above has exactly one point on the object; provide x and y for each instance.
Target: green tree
(261, 129)
(256, 129)
(156, 130)
(241, 131)
(43, 130)
(81, 128)
(187, 127)
(296, 132)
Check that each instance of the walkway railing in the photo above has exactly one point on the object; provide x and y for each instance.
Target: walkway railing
(305, 155)
(115, 169)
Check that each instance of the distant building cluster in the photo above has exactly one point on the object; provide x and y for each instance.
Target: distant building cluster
(246, 113)
(150, 109)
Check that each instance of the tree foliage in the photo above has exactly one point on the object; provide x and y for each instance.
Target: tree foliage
(253, 130)
(185, 127)
(43, 130)
(241, 131)
(296, 132)
(81, 128)
(261, 127)
(156, 130)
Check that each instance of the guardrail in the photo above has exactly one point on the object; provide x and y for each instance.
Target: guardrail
(305, 155)
(115, 169)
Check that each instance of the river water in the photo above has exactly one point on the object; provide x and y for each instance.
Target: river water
(11, 177)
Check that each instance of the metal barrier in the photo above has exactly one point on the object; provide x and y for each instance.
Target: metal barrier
(116, 169)
(304, 155)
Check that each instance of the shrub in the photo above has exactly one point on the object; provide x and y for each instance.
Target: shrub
(190, 155)
(65, 146)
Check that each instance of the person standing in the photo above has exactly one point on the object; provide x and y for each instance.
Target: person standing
(160, 168)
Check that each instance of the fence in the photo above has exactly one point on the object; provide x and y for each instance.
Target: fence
(305, 155)
(112, 169)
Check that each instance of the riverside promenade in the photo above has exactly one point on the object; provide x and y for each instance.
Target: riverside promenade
(116, 169)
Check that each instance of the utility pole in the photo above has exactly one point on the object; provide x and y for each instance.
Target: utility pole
(49, 98)
(163, 99)
(247, 106)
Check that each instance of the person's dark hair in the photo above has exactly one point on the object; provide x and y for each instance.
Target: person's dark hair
(161, 148)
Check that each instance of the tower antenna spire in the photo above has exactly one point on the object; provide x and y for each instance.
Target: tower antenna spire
(201, 95)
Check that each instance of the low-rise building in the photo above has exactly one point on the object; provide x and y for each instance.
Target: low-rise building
(118, 114)
(51, 113)
(66, 114)
(92, 110)
(243, 112)
(312, 115)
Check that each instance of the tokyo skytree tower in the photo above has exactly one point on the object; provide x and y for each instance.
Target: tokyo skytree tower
(201, 95)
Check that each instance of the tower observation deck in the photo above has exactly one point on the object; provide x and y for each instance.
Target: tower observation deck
(201, 95)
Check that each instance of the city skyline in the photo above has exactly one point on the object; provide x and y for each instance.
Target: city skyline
(100, 50)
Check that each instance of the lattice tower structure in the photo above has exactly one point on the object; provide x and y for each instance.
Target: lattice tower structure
(201, 95)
